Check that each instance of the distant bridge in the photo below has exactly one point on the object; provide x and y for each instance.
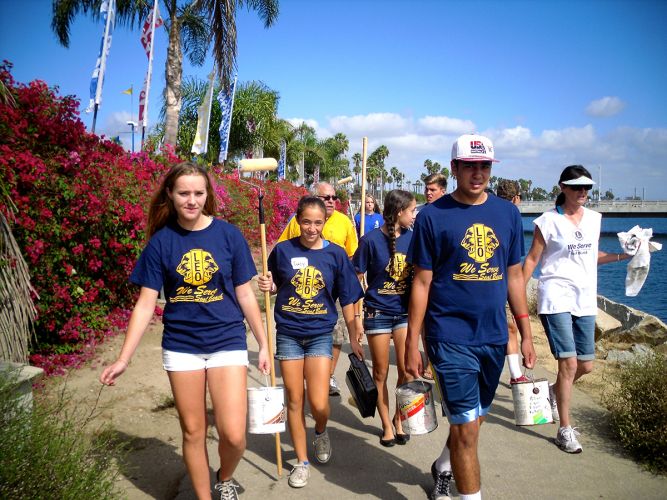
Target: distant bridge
(613, 208)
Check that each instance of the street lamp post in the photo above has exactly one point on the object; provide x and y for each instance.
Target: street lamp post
(132, 125)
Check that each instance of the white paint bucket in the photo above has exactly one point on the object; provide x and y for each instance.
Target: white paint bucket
(266, 410)
(416, 407)
(531, 402)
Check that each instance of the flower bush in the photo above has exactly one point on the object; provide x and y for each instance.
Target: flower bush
(81, 202)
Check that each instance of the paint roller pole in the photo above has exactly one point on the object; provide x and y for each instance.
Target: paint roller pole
(266, 165)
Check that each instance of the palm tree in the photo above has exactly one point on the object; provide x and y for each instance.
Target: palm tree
(356, 159)
(192, 25)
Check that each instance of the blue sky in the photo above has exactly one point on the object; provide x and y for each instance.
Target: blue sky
(551, 82)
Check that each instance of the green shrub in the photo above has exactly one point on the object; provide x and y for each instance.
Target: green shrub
(45, 453)
(638, 406)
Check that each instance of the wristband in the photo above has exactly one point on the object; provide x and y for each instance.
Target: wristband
(521, 316)
(357, 315)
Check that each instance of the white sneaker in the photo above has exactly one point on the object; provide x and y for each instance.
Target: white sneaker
(334, 390)
(298, 478)
(566, 440)
(322, 447)
(552, 401)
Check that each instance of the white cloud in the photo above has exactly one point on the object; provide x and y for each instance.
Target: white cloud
(607, 106)
(370, 124)
(626, 157)
(445, 124)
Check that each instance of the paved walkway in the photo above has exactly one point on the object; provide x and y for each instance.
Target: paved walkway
(517, 462)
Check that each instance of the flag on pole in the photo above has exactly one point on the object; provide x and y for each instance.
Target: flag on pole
(200, 144)
(282, 160)
(128, 91)
(108, 11)
(316, 175)
(153, 20)
(226, 100)
(149, 28)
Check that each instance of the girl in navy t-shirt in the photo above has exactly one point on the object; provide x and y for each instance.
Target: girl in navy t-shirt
(308, 274)
(204, 266)
(381, 255)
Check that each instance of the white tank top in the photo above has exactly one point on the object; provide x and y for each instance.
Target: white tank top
(568, 275)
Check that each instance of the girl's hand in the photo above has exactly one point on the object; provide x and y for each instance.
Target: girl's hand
(263, 362)
(357, 349)
(111, 373)
(265, 283)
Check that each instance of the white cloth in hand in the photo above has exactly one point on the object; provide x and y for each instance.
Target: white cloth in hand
(636, 242)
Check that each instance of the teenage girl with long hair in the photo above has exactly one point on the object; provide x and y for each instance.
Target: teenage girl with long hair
(308, 274)
(381, 255)
(204, 266)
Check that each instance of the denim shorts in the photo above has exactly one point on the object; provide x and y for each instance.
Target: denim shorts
(468, 376)
(185, 362)
(570, 336)
(311, 346)
(376, 322)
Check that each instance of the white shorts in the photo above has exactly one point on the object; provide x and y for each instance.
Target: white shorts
(184, 362)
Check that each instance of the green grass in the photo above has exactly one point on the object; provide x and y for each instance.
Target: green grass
(638, 406)
(50, 452)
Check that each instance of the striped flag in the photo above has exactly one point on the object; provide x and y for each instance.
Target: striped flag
(149, 28)
(316, 175)
(226, 100)
(153, 20)
(108, 11)
(282, 160)
(200, 144)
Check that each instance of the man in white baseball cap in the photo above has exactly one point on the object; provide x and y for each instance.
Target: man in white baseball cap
(466, 252)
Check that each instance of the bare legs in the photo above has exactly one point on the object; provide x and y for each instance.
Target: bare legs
(462, 443)
(227, 386)
(315, 372)
(569, 371)
(379, 346)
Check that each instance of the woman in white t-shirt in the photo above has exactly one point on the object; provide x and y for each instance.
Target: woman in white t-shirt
(565, 244)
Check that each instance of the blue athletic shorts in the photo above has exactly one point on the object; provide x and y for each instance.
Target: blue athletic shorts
(376, 322)
(288, 347)
(570, 336)
(468, 376)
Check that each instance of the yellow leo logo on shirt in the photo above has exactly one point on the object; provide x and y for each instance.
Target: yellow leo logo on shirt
(480, 241)
(197, 267)
(308, 282)
(401, 269)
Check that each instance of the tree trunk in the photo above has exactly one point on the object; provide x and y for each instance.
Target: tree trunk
(173, 77)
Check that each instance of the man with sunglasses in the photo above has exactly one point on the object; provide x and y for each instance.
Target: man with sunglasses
(466, 252)
(338, 229)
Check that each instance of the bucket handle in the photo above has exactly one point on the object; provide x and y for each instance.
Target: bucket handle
(267, 396)
(529, 373)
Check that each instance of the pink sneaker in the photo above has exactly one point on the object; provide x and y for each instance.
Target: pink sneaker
(519, 380)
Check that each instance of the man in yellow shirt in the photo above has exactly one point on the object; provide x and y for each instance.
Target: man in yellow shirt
(338, 229)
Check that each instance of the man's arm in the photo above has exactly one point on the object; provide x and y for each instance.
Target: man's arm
(421, 285)
(516, 296)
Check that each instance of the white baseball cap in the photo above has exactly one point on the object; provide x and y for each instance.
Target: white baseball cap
(472, 147)
(579, 181)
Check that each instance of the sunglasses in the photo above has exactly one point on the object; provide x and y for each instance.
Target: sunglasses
(328, 197)
(579, 188)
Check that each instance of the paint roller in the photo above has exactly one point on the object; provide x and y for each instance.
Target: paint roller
(344, 181)
(264, 165)
(258, 165)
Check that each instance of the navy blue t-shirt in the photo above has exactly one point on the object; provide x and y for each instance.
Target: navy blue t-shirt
(468, 248)
(309, 282)
(199, 271)
(387, 293)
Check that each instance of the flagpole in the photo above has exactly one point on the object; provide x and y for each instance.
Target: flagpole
(144, 123)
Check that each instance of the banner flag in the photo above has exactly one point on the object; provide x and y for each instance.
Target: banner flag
(200, 144)
(148, 31)
(316, 175)
(226, 100)
(128, 91)
(108, 11)
(283, 159)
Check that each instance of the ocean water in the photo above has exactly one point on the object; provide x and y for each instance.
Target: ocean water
(611, 277)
